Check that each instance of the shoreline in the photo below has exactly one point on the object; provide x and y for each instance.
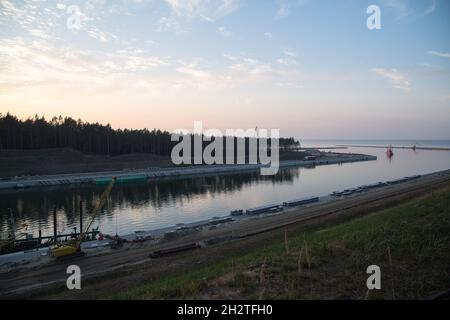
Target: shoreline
(21, 183)
(104, 263)
(160, 235)
(395, 147)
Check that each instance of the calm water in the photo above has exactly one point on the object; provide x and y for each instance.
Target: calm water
(165, 203)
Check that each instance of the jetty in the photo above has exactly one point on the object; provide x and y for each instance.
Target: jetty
(144, 175)
(414, 147)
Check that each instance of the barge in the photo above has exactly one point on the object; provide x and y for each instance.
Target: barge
(300, 202)
(263, 209)
(236, 213)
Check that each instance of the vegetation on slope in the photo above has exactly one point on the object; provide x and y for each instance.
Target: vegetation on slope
(410, 243)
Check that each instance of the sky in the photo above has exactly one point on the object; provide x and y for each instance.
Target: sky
(310, 68)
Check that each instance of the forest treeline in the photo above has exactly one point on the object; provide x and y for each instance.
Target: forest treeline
(90, 138)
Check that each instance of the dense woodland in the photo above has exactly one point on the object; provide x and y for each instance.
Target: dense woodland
(90, 138)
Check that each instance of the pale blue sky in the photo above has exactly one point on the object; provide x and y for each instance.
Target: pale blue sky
(308, 67)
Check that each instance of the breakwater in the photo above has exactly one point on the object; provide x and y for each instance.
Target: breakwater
(162, 173)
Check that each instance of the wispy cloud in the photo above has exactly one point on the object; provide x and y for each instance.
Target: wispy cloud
(289, 53)
(289, 59)
(224, 32)
(397, 79)
(431, 8)
(401, 7)
(283, 11)
(286, 62)
(193, 70)
(182, 12)
(28, 64)
(100, 35)
(290, 85)
(404, 9)
(285, 7)
(439, 54)
(282, 72)
(45, 21)
(204, 9)
(248, 66)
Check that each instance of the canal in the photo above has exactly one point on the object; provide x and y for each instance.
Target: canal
(164, 203)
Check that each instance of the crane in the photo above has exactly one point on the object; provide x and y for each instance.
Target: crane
(73, 248)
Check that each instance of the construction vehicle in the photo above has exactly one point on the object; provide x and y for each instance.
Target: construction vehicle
(73, 247)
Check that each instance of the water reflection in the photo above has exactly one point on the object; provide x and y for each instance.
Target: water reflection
(167, 202)
(32, 210)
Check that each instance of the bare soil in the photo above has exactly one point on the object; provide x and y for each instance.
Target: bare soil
(61, 161)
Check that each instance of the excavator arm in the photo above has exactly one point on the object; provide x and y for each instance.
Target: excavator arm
(64, 250)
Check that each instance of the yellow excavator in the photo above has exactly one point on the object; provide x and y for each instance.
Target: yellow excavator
(73, 248)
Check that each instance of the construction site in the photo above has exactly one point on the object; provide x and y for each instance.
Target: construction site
(106, 257)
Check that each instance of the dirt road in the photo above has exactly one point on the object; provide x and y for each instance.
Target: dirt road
(124, 268)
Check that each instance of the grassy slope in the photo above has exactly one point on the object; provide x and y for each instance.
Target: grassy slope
(410, 243)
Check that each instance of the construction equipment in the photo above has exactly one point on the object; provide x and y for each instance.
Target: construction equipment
(73, 248)
(174, 250)
(8, 245)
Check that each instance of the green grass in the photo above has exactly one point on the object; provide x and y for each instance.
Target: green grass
(409, 242)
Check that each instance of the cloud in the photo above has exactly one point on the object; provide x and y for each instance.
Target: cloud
(283, 70)
(200, 77)
(9, 9)
(431, 8)
(400, 6)
(193, 71)
(290, 85)
(29, 16)
(289, 53)
(224, 32)
(43, 21)
(289, 59)
(103, 36)
(286, 62)
(38, 33)
(137, 60)
(248, 66)
(36, 68)
(283, 11)
(169, 23)
(285, 7)
(397, 79)
(268, 35)
(204, 9)
(182, 12)
(439, 54)
(404, 9)
(37, 63)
